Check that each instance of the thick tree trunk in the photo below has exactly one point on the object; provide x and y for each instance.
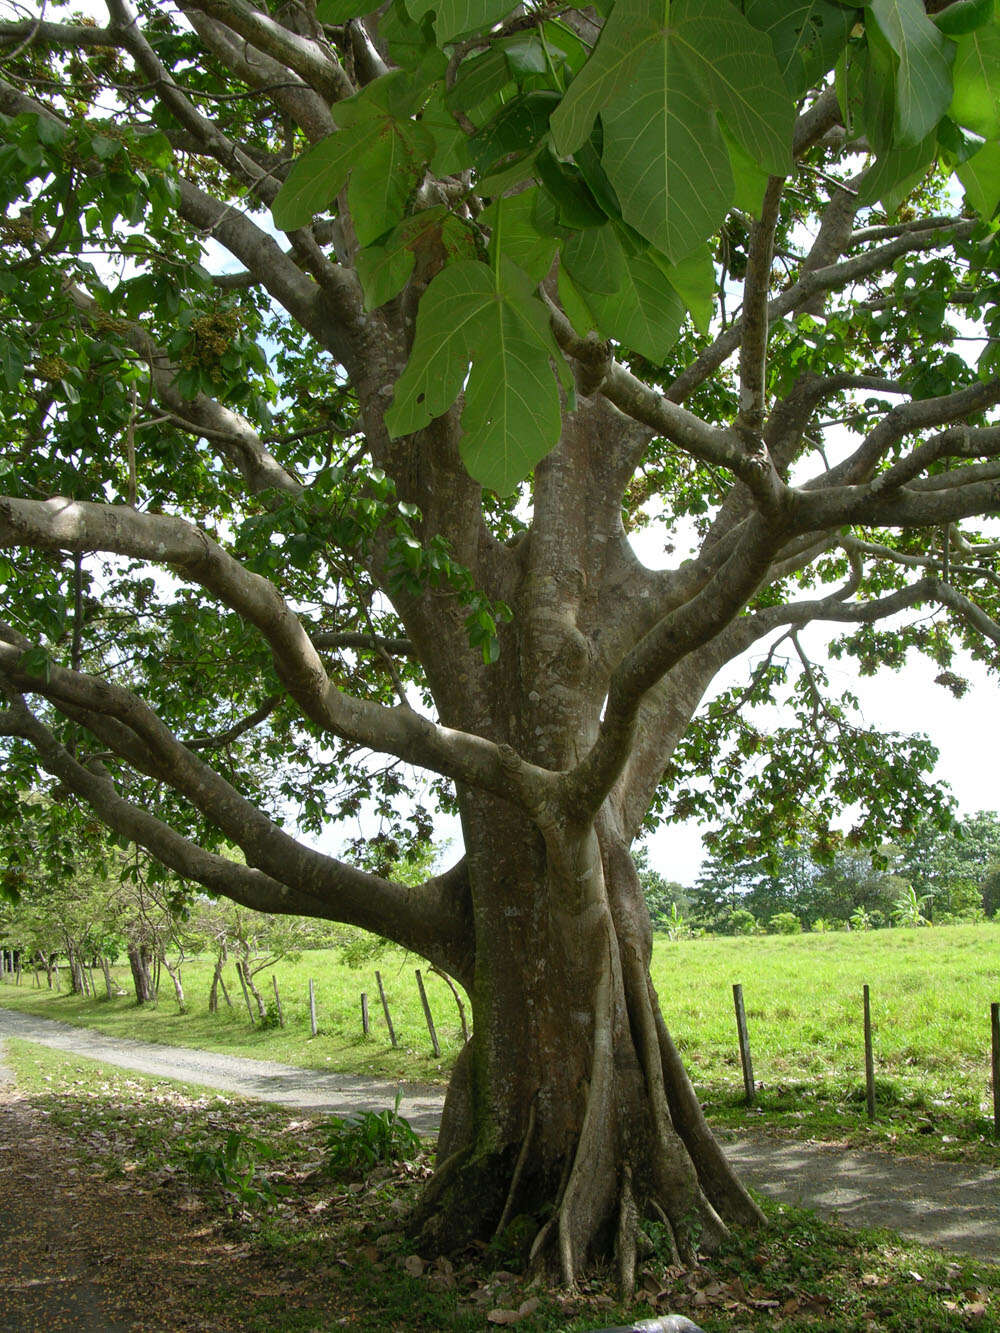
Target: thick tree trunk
(139, 960)
(569, 1119)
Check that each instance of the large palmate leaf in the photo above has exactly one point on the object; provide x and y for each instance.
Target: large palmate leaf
(512, 413)
(644, 313)
(659, 77)
(921, 56)
(976, 103)
(807, 36)
(431, 235)
(516, 235)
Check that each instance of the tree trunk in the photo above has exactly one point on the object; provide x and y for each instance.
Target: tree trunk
(139, 959)
(175, 977)
(213, 994)
(569, 1120)
(106, 969)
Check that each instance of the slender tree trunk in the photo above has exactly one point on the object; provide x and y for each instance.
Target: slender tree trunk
(138, 959)
(106, 969)
(213, 994)
(175, 977)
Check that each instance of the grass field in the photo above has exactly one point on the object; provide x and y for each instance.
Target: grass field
(931, 991)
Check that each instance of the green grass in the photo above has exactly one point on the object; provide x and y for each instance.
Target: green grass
(931, 991)
(930, 998)
(328, 1253)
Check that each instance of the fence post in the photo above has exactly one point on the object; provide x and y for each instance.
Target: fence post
(995, 1034)
(365, 1026)
(869, 1057)
(385, 1008)
(312, 1005)
(277, 1000)
(741, 1029)
(427, 1015)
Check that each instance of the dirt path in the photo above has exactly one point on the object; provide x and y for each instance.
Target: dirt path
(952, 1206)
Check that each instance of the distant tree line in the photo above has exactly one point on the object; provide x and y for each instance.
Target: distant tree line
(936, 876)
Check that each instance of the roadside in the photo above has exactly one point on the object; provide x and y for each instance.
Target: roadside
(952, 1206)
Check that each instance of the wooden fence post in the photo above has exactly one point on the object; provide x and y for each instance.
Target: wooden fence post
(427, 1015)
(869, 1057)
(312, 1006)
(741, 1029)
(365, 1026)
(995, 1043)
(277, 1000)
(385, 1008)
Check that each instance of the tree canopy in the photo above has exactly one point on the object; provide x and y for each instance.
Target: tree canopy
(341, 351)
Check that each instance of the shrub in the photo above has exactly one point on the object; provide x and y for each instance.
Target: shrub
(785, 923)
(742, 922)
(356, 1144)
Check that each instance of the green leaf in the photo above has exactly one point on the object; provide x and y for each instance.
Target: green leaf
(658, 86)
(594, 259)
(896, 173)
(519, 237)
(517, 127)
(980, 176)
(574, 305)
(807, 36)
(665, 156)
(964, 16)
(451, 321)
(454, 18)
(749, 180)
(479, 79)
(575, 202)
(512, 413)
(384, 175)
(693, 279)
(339, 11)
(645, 314)
(976, 100)
(319, 175)
(922, 58)
(384, 269)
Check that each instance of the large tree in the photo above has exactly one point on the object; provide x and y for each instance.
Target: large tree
(499, 286)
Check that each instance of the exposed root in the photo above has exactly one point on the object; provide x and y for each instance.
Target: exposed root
(579, 1196)
(515, 1179)
(625, 1242)
(719, 1181)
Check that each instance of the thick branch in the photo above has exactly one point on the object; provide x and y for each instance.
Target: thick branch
(61, 524)
(313, 62)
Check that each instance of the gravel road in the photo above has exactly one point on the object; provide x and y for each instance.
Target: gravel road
(950, 1205)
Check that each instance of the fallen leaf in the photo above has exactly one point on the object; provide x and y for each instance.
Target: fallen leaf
(414, 1265)
(528, 1307)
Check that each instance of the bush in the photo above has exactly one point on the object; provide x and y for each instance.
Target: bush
(785, 923)
(742, 922)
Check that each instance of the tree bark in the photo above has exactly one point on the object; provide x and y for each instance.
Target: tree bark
(139, 958)
(568, 1122)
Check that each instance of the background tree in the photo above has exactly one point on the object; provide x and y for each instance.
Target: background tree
(352, 500)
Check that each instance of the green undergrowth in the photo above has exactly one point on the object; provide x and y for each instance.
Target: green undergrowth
(930, 995)
(335, 1235)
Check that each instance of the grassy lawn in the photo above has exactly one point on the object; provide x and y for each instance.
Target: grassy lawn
(328, 1247)
(931, 991)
